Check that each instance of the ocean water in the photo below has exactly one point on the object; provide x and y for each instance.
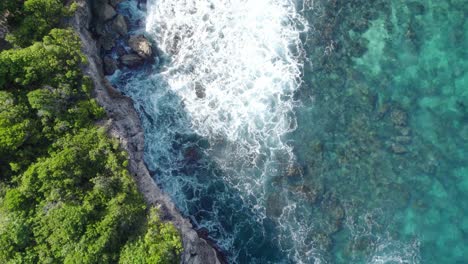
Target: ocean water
(309, 131)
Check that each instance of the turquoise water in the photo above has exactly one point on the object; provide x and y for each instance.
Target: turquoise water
(354, 151)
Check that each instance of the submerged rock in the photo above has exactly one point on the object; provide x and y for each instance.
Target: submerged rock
(322, 240)
(399, 117)
(141, 46)
(403, 139)
(310, 193)
(294, 170)
(398, 149)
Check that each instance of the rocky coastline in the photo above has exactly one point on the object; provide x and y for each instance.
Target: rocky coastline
(98, 25)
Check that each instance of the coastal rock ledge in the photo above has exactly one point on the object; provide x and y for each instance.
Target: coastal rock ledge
(124, 125)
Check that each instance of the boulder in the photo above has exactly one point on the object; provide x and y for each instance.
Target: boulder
(107, 42)
(119, 25)
(141, 46)
(200, 90)
(131, 60)
(110, 65)
(107, 12)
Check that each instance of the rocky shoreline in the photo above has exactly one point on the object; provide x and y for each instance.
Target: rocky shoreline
(123, 121)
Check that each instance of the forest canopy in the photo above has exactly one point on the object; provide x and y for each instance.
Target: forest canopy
(66, 195)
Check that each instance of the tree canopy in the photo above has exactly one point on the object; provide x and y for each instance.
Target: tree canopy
(66, 195)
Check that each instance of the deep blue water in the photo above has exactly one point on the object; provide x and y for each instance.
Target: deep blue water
(311, 132)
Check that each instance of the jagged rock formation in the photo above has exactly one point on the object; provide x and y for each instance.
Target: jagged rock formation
(124, 125)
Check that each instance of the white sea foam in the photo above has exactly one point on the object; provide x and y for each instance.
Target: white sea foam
(244, 59)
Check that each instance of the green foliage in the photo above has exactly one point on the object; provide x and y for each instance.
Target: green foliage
(54, 61)
(161, 244)
(39, 116)
(79, 204)
(15, 127)
(11, 6)
(39, 17)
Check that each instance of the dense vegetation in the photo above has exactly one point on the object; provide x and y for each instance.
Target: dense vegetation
(65, 193)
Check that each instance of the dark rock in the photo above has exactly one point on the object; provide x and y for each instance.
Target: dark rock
(107, 12)
(362, 244)
(311, 194)
(107, 42)
(294, 170)
(322, 240)
(121, 50)
(200, 90)
(191, 154)
(110, 65)
(119, 25)
(131, 60)
(416, 8)
(383, 110)
(141, 46)
(274, 205)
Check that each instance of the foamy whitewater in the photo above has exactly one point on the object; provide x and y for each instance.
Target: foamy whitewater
(216, 111)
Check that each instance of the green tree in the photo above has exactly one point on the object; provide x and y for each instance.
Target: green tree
(39, 17)
(160, 244)
(54, 61)
(15, 127)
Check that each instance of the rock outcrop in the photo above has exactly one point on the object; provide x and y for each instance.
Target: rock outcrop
(124, 125)
(141, 46)
(131, 60)
(119, 25)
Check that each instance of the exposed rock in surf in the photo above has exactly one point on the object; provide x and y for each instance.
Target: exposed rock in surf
(200, 91)
(141, 46)
(110, 65)
(131, 60)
